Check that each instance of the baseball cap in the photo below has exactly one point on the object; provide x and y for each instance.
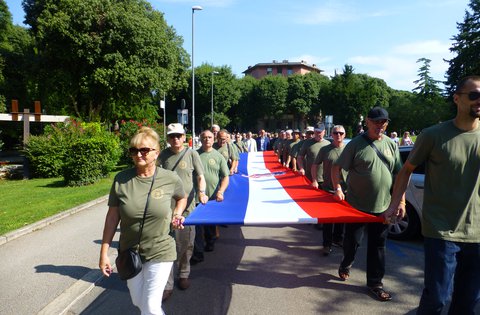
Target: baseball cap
(309, 129)
(319, 127)
(175, 128)
(378, 113)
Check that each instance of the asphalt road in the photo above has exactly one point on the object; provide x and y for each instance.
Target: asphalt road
(253, 270)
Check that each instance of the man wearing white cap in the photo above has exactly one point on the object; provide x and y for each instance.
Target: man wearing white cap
(309, 151)
(185, 162)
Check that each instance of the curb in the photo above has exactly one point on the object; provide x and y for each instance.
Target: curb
(75, 293)
(47, 221)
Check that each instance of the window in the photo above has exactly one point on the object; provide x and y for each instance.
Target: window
(269, 70)
(289, 71)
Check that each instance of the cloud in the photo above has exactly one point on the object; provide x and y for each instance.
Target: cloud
(310, 59)
(429, 47)
(335, 12)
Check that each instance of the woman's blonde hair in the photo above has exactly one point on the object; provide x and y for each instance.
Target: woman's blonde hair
(146, 133)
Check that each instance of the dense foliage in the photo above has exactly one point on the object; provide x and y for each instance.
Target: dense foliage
(101, 59)
(466, 48)
(81, 152)
(112, 60)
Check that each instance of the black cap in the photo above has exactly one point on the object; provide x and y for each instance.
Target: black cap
(378, 113)
(319, 127)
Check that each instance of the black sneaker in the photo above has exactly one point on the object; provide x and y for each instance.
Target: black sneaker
(337, 243)
(195, 260)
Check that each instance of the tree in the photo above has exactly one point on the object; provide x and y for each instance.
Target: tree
(246, 112)
(426, 85)
(101, 59)
(226, 94)
(430, 107)
(271, 96)
(466, 48)
(5, 26)
(351, 95)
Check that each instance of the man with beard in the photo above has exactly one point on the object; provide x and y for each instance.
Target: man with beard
(451, 206)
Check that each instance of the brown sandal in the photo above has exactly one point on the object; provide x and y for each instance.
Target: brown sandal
(344, 273)
(380, 294)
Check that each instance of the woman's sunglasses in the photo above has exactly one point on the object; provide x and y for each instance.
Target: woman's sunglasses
(143, 151)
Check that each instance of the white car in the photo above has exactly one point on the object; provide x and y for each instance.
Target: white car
(410, 225)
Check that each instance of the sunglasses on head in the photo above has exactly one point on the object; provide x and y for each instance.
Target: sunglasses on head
(143, 151)
(473, 96)
(338, 133)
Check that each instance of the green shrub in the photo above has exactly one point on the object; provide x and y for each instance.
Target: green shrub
(91, 159)
(127, 128)
(88, 147)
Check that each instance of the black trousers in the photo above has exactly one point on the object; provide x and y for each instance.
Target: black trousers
(332, 232)
(377, 237)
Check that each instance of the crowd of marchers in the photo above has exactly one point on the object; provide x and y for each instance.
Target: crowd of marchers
(151, 200)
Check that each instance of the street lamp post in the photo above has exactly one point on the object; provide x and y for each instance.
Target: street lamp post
(194, 8)
(213, 73)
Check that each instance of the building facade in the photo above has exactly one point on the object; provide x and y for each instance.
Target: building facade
(284, 68)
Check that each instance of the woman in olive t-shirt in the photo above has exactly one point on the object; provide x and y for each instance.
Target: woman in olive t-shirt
(127, 200)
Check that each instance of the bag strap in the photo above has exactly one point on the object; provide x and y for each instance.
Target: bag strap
(380, 154)
(146, 206)
(179, 159)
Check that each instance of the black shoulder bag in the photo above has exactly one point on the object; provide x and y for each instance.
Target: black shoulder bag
(128, 262)
(179, 159)
(380, 154)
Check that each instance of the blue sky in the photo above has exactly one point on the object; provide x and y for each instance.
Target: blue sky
(381, 38)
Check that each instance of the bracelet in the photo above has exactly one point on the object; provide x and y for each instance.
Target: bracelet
(220, 192)
(403, 203)
(175, 214)
(339, 189)
(201, 191)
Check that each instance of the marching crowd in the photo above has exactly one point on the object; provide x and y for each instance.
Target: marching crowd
(367, 173)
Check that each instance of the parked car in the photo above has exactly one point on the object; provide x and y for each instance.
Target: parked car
(410, 225)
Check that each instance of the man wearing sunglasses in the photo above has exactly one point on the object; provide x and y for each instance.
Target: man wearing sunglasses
(451, 206)
(332, 233)
(188, 166)
(226, 150)
(372, 160)
(309, 151)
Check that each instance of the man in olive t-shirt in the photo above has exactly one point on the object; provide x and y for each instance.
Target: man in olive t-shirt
(188, 166)
(368, 185)
(309, 152)
(217, 178)
(451, 205)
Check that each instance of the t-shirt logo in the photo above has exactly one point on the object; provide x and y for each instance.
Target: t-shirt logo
(157, 193)
(211, 162)
(182, 165)
(388, 153)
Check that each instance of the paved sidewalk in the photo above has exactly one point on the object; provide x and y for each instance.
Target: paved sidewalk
(253, 270)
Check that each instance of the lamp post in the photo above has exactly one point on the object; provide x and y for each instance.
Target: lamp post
(194, 8)
(213, 73)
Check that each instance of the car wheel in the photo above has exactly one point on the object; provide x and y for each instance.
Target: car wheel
(406, 228)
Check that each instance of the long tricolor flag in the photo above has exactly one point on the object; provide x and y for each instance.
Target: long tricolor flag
(264, 192)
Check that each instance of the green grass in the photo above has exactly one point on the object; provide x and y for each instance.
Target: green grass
(25, 202)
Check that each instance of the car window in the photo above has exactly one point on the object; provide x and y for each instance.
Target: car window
(404, 152)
